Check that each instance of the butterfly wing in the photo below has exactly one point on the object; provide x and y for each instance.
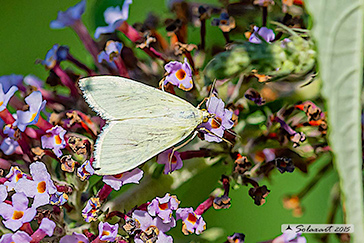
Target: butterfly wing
(117, 98)
(142, 121)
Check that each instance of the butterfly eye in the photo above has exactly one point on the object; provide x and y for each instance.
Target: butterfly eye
(206, 115)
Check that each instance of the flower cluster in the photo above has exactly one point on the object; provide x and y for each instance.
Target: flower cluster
(50, 185)
(157, 218)
(17, 212)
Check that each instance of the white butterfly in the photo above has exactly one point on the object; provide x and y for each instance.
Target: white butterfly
(141, 121)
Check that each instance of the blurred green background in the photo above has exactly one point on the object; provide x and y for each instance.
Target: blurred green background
(26, 36)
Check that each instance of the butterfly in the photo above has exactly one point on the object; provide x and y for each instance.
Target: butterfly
(141, 121)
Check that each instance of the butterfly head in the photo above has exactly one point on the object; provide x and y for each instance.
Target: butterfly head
(206, 115)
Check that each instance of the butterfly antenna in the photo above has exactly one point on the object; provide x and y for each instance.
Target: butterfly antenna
(212, 88)
(233, 133)
(178, 147)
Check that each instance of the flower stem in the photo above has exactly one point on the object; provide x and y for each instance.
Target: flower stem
(37, 236)
(89, 43)
(104, 192)
(203, 207)
(66, 80)
(315, 179)
(6, 116)
(129, 32)
(203, 34)
(80, 65)
(265, 16)
(123, 72)
(27, 228)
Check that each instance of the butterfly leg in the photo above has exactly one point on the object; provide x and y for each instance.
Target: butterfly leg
(207, 98)
(212, 133)
(178, 147)
(203, 101)
(161, 83)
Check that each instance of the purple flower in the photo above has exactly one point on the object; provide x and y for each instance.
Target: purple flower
(17, 237)
(8, 81)
(46, 227)
(192, 223)
(108, 232)
(13, 177)
(220, 122)
(85, 170)
(33, 81)
(175, 164)
(236, 238)
(265, 33)
(55, 55)
(225, 22)
(31, 116)
(284, 42)
(153, 226)
(296, 137)
(9, 145)
(117, 181)
(162, 207)
(253, 95)
(114, 17)
(9, 131)
(75, 237)
(179, 74)
(54, 139)
(3, 193)
(6, 95)
(91, 209)
(18, 213)
(40, 187)
(58, 198)
(263, 3)
(69, 17)
(112, 50)
(290, 236)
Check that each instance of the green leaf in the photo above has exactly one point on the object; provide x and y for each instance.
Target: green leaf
(338, 30)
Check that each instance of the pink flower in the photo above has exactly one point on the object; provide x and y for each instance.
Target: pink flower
(17, 237)
(220, 122)
(163, 207)
(179, 74)
(75, 237)
(31, 116)
(91, 209)
(54, 139)
(40, 187)
(192, 223)
(290, 236)
(117, 181)
(108, 232)
(17, 214)
(85, 170)
(5, 97)
(114, 17)
(265, 33)
(175, 164)
(156, 225)
(13, 177)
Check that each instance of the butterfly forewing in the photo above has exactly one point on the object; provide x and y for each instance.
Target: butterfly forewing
(121, 98)
(142, 121)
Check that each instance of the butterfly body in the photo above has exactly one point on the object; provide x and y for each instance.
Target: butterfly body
(141, 121)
